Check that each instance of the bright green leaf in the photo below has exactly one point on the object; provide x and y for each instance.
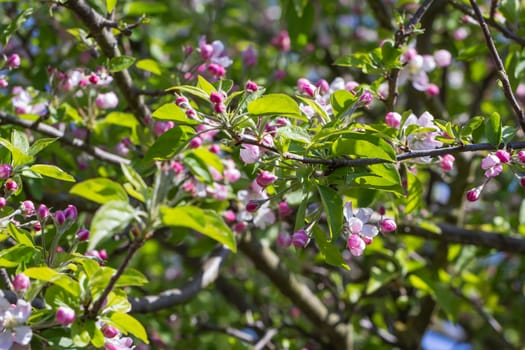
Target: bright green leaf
(275, 104)
(205, 86)
(47, 274)
(331, 253)
(100, 190)
(333, 209)
(131, 277)
(363, 145)
(109, 219)
(171, 111)
(493, 129)
(117, 64)
(128, 324)
(110, 5)
(52, 171)
(149, 65)
(40, 145)
(20, 236)
(169, 143)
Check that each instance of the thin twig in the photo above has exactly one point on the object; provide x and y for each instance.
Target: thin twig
(265, 340)
(48, 130)
(507, 89)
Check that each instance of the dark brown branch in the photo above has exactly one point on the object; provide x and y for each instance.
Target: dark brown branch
(329, 324)
(507, 89)
(453, 234)
(50, 131)
(98, 28)
(208, 275)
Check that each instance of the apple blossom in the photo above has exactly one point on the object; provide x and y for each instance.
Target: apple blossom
(282, 41)
(393, 119)
(251, 86)
(11, 186)
(265, 178)
(284, 240)
(284, 209)
(299, 238)
(443, 58)
(388, 225)
(65, 315)
(83, 234)
(249, 56)
(21, 282)
(250, 153)
(492, 165)
(356, 245)
(42, 212)
(109, 331)
(12, 323)
(447, 162)
(3, 202)
(107, 101)
(13, 61)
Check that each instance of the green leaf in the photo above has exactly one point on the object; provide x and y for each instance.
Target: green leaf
(301, 213)
(470, 126)
(14, 24)
(149, 65)
(493, 129)
(170, 143)
(275, 104)
(195, 91)
(131, 277)
(18, 156)
(110, 5)
(100, 190)
(331, 253)
(316, 106)
(52, 171)
(47, 274)
(198, 167)
(126, 120)
(20, 236)
(136, 186)
(368, 63)
(96, 335)
(117, 64)
(171, 111)
(110, 218)
(379, 278)
(382, 177)
(363, 145)
(80, 335)
(20, 141)
(128, 324)
(295, 133)
(209, 158)
(138, 8)
(16, 255)
(414, 199)
(207, 222)
(40, 145)
(342, 102)
(205, 86)
(333, 208)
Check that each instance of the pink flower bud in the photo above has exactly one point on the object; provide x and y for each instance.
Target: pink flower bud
(3, 83)
(21, 282)
(13, 61)
(94, 79)
(214, 149)
(37, 226)
(323, 86)
(103, 254)
(109, 331)
(3, 202)
(206, 51)
(388, 225)
(305, 87)
(393, 119)
(284, 240)
(520, 93)
(216, 69)
(28, 208)
(473, 194)
(282, 41)
(432, 90)
(42, 212)
(182, 102)
(251, 86)
(366, 98)
(83, 234)
(11, 186)
(6, 171)
(381, 210)
(229, 216)
(299, 239)
(252, 206)
(240, 227)
(443, 58)
(216, 97)
(356, 245)
(195, 142)
(284, 209)
(59, 218)
(250, 153)
(219, 108)
(265, 178)
(71, 212)
(65, 315)
(503, 156)
(521, 156)
(447, 162)
(177, 167)
(107, 100)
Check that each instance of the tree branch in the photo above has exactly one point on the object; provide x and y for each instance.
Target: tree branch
(98, 28)
(177, 296)
(452, 234)
(48, 130)
(329, 324)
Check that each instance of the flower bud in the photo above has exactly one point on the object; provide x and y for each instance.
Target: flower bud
(251, 86)
(432, 90)
(503, 155)
(240, 227)
(393, 119)
(299, 238)
(229, 216)
(366, 98)
(195, 142)
(28, 208)
(42, 212)
(71, 212)
(59, 218)
(473, 194)
(83, 234)
(13, 61)
(356, 245)
(447, 162)
(252, 206)
(216, 97)
(11, 186)
(21, 282)
(65, 315)
(6, 171)
(284, 240)
(521, 156)
(94, 79)
(388, 225)
(107, 100)
(216, 69)
(219, 108)
(284, 209)
(182, 102)
(109, 331)
(3, 202)
(265, 178)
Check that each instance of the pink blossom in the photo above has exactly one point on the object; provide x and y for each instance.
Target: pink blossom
(356, 245)
(219, 108)
(503, 156)
(107, 101)
(473, 194)
(521, 156)
(366, 98)
(117, 343)
(265, 178)
(284, 209)
(447, 162)
(13, 61)
(240, 227)
(252, 206)
(214, 53)
(249, 56)
(217, 97)
(422, 140)
(251, 86)
(109, 331)
(3, 83)
(322, 86)
(231, 173)
(11, 186)
(177, 167)
(443, 58)
(71, 212)
(299, 238)
(195, 142)
(229, 216)
(520, 93)
(388, 225)
(282, 41)
(59, 218)
(6, 171)
(250, 153)
(21, 282)
(3, 202)
(460, 34)
(305, 87)
(83, 234)
(218, 191)
(216, 69)
(492, 165)
(432, 90)
(393, 119)
(28, 208)
(264, 217)
(65, 315)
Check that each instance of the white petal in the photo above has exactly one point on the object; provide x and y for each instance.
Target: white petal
(369, 231)
(347, 211)
(6, 340)
(23, 335)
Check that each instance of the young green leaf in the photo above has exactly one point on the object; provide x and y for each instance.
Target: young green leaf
(52, 171)
(100, 190)
(117, 64)
(333, 209)
(109, 219)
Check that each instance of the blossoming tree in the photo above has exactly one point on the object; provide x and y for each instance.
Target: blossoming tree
(270, 175)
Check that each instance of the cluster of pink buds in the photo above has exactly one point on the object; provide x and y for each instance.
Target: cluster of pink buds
(12, 62)
(217, 98)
